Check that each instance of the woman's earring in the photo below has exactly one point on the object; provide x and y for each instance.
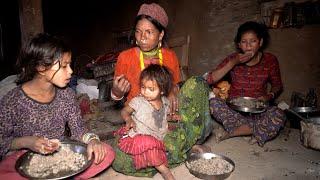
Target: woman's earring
(159, 44)
(162, 93)
(137, 43)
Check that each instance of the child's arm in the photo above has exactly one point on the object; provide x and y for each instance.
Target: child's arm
(126, 116)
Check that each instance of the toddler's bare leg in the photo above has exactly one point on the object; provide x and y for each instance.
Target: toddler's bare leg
(165, 172)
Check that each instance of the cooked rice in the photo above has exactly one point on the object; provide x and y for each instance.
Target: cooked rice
(213, 166)
(65, 159)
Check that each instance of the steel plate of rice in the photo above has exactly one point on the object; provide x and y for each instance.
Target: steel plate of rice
(69, 160)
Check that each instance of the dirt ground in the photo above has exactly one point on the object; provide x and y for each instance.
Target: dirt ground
(283, 158)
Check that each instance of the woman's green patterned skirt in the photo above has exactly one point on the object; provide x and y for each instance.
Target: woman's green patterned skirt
(195, 125)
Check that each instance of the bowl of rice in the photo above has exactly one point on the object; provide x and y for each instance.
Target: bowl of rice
(210, 166)
(70, 159)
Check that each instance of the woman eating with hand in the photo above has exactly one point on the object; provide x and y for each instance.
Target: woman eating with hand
(250, 70)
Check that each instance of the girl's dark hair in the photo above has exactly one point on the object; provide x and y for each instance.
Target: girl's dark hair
(259, 29)
(42, 50)
(161, 75)
(159, 27)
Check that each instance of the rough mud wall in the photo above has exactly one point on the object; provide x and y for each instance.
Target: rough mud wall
(212, 25)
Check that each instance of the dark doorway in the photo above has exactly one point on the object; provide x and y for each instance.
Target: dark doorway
(9, 37)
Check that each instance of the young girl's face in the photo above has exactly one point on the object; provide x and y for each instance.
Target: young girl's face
(250, 43)
(150, 90)
(60, 74)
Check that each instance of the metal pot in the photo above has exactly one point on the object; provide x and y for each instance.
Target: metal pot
(310, 133)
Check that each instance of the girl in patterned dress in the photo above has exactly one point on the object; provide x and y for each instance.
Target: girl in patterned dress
(39, 108)
(146, 121)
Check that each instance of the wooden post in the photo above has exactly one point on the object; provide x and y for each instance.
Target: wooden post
(31, 21)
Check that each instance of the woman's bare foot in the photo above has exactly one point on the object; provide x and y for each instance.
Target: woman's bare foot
(252, 140)
(200, 148)
(220, 134)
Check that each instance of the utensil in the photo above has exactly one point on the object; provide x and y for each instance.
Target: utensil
(196, 156)
(256, 109)
(78, 147)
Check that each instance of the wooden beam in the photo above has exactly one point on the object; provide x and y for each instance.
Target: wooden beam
(31, 20)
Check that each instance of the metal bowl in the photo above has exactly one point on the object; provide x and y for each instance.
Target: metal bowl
(257, 109)
(196, 156)
(304, 109)
(78, 147)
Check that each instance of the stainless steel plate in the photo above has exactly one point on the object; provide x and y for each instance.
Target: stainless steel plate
(261, 106)
(304, 109)
(78, 147)
(196, 156)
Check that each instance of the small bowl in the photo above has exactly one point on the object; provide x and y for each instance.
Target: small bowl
(195, 156)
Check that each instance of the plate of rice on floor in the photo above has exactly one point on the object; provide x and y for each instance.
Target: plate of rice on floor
(70, 159)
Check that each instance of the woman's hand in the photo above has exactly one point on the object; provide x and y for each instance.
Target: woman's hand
(174, 105)
(267, 97)
(120, 86)
(174, 108)
(174, 117)
(242, 58)
(263, 98)
(95, 147)
(173, 99)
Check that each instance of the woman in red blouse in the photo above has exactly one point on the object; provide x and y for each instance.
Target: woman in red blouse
(195, 123)
(150, 25)
(250, 71)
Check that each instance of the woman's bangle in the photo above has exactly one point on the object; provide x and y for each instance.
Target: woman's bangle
(87, 137)
(114, 97)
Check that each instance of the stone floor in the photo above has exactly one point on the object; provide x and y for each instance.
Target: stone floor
(283, 158)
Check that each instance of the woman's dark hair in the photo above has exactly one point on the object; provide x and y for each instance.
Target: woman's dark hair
(161, 75)
(42, 50)
(259, 29)
(159, 27)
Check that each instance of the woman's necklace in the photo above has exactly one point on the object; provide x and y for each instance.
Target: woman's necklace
(150, 54)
